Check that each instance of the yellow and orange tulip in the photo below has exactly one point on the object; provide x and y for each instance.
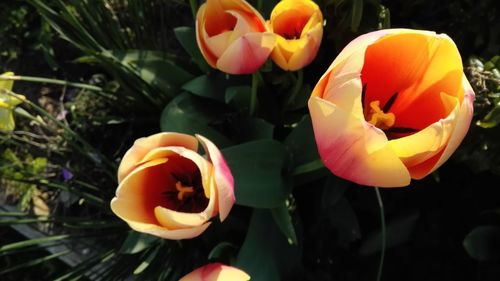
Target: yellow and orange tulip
(8, 101)
(298, 25)
(394, 105)
(169, 190)
(232, 36)
(216, 272)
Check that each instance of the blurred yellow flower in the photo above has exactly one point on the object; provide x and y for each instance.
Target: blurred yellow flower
(8, 101)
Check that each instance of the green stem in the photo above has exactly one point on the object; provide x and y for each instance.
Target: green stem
(253, 94)
(93, 88)
(296, 89)
(382, 222)
(308, 167)
(52, 81)
(259, 6)
(194, 7)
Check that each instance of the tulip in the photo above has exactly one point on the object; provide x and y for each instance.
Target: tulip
(298, 25)
(232, 36)
(8, 101)
(394, 105)
(169, 190)
(216, 272)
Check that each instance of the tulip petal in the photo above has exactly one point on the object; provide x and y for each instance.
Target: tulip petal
(308, 48)
(173, 234)
(144, 145)
(461, 126)
(216, 271)
(247, 54)
(130, 204)
(223, 177)
(423, 145)
(354, 149)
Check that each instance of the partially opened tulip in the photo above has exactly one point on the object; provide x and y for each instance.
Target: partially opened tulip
(167, 189)
(232, 36)
(216, 272)
(8, 101)
(298, 25)
(394, 105)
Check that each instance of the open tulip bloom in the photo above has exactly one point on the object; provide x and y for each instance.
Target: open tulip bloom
(394, 105)
(298, 25)
(232, 36)
(167, 189)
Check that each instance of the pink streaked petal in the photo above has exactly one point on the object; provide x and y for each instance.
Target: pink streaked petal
(247, 54)
(143, 145)
(215, 272)
(353, 149)
(223, 177)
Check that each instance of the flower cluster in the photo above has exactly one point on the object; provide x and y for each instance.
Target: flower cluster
(393, 106)
(234, 38)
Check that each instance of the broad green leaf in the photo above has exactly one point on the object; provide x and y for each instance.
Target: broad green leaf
(191, 115)
(223, 252)
(163, 74)
(284, 221)
(187, 37)
(248, 129)
(483, 243)
(147, 261)
(257, 170)
(205, 86)
(137, 242)
(398, 232)
(265, 254)
(301, 143)
(238, 96)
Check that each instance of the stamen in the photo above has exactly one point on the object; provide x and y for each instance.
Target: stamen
(183, 190)
(379, 118)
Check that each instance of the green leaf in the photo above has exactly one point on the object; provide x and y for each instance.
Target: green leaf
(187, 37)
(147, 261)
(357, 14)
(137, 242)
(257, 170)
(301, 143)
(31, 242)
(248, 129)
(238, 96)
(483, 243)
(491, 119)
(163, 74)
(398, 232)
(265, 254)
(191, 115)
(205, 87)
(284, 221)
(34, 262)
(223, 252)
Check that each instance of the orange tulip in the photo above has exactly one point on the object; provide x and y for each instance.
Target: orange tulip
(216, 272)
(232, 36)
(298, 25)
(394, 105)
(167, 189)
